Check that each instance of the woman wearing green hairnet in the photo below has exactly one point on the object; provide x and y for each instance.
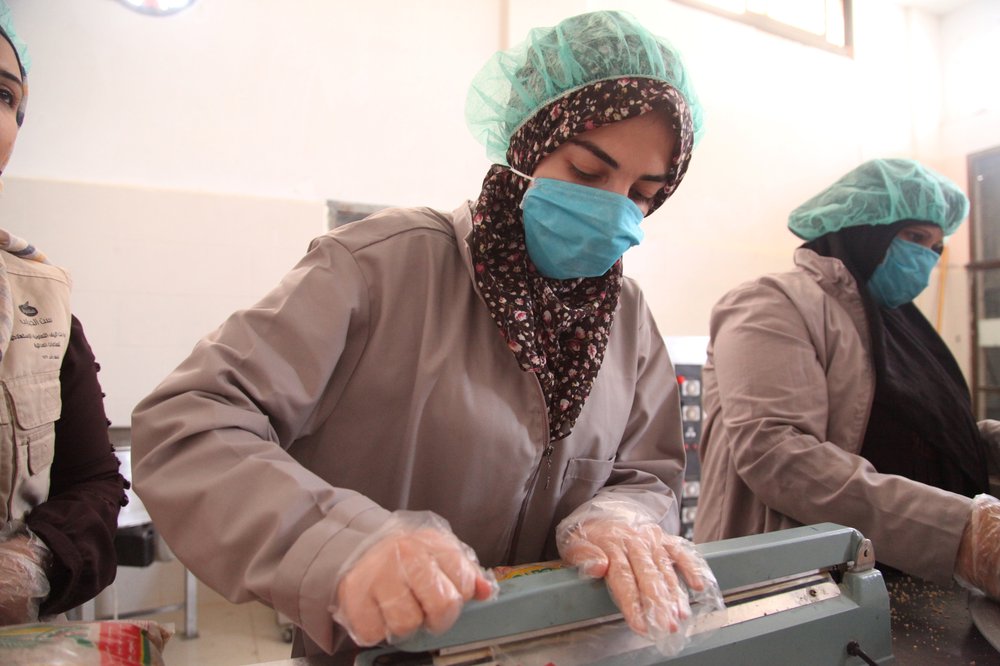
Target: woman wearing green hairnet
(60, 490)
(428, 389)
(829, 397)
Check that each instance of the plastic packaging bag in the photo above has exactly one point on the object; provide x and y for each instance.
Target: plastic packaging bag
(111, 643)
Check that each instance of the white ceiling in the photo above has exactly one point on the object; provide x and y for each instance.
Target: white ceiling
(936, 6)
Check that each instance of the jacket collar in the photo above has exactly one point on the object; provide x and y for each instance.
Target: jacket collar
(830, 272)
(461, 219)
(832, 276)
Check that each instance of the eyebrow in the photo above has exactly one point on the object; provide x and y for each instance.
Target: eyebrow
(11, 77)
(612, 162)
(923, 230)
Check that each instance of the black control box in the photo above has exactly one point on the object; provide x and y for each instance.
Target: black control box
(136, 545)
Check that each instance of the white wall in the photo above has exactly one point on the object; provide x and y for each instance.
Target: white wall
(970, 123)
(258, 104)
(155, 270)
(783, 121)
(179, 166)
(286, 98)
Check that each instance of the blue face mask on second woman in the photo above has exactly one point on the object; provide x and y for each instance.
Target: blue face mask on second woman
(903, 274)
(574, 231)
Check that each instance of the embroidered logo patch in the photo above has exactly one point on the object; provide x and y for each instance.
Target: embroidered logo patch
(27, 310)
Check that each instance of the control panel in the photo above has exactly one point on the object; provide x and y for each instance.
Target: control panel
(689, 384)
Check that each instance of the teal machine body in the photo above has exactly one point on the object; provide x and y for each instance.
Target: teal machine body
(804, 595)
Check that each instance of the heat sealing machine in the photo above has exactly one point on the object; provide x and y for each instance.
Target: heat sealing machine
(808, 595)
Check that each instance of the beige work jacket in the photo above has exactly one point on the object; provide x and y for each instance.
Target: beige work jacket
(29, 380)
(789, 385)
(374, 379)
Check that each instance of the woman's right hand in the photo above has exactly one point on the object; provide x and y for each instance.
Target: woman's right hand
(978, 562)
(412, 577)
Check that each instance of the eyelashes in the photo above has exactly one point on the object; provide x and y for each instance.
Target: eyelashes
(585, 177)
(640, 198)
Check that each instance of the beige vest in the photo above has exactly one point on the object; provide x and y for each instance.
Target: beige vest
(29, 378)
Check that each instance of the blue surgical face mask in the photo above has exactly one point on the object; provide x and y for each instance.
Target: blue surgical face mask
(574, 231)
(903, 274)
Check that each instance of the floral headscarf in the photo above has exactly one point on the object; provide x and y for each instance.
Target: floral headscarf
(559, 329)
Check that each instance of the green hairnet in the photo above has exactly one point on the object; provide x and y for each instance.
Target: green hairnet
(20, 51)
(20, 48)
(882, 192)
(553, 61)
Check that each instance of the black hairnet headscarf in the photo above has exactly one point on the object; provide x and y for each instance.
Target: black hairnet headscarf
(559, 329)
(921, 424)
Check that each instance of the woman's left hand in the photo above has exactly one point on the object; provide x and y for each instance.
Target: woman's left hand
(641, 566)
(649, 572)
(978, 561)
(989, 430)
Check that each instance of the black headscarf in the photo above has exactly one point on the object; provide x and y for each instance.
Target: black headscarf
(921, 424)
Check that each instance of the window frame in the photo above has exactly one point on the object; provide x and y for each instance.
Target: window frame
(976, 268)
(767, 24)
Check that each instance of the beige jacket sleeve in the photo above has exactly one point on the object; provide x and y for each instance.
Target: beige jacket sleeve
(207, 455)
(789, 365)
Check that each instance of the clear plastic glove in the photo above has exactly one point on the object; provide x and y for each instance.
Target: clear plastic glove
(978, 562)
(621, 542)
(23, 583)
(412, 573)
(989, 430)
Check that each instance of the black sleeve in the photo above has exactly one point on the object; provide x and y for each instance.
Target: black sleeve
(79, 519)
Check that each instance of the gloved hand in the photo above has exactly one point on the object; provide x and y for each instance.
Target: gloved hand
(412, 573)
(989, 431)
(23, 583)
(978, 562)
(623, 543)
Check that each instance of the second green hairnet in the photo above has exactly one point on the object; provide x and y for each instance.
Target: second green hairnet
(881, 192)
(553, 61)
